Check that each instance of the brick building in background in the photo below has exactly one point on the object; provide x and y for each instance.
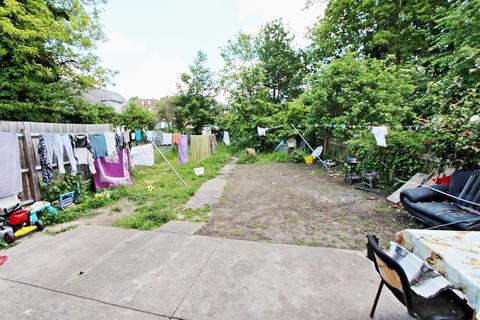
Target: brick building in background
(148, 104)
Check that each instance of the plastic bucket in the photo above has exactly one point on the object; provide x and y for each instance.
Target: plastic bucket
(308, 159)
(199, 171)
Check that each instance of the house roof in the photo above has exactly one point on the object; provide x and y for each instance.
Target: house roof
(102, 96)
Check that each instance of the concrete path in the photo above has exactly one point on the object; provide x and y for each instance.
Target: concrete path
(211, 191)
(95, 272)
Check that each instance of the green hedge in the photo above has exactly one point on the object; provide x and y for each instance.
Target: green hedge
(400, 159)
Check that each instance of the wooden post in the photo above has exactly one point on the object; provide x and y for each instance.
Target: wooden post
(31, 165)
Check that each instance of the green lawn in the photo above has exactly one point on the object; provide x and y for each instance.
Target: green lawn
(152, 208)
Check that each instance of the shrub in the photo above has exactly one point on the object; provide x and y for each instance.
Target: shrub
(400, 159)
(298, 155)
(64, 183)
(246, 159)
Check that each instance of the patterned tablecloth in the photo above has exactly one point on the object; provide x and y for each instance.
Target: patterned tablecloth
(454, 254)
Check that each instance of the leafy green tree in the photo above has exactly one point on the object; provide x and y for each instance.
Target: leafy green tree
(136, 118)
(263, 73)
(46, 56)
(359, 91)
(377, 29)
(456, 48)
(195, 105)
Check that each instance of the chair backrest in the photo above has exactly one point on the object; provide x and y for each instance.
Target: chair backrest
(458, 181)
(317, 152)
(391, 273)
(470, 191)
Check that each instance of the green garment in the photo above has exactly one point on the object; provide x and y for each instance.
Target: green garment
(200, 147)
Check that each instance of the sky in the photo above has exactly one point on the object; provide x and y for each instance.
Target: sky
(151, 42)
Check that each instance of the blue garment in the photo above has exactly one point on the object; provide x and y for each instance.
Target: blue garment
(138, 135)
(150, 135)
(99, 145)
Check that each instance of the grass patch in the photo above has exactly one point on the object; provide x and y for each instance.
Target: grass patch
(158, 206)
(194, 215)
(155, 207)
(306, 244)
(263, 158)
(273, 157)
(54, 233)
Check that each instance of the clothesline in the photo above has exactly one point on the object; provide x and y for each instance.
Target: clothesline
(369, 127)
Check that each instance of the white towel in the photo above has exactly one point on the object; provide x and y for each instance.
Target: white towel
(143, 155)
(380, 133)
(166, 139)
(10, 170)
(226, 138)
(84, 156)
(111, 143)
(262, 131)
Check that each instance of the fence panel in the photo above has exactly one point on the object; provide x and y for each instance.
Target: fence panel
(28, 134)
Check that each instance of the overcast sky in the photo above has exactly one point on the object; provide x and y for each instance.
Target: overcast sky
(150, 42)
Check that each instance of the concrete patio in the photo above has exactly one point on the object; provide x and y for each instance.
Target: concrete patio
(95, 272)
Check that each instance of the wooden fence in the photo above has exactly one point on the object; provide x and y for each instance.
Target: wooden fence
(333, 149)
(28, 134)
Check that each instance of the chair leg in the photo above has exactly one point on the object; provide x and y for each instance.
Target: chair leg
(380, 287)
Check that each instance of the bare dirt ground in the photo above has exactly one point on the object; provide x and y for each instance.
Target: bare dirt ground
(292, 204)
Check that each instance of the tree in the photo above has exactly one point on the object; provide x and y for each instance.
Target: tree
(166, 109)
(195, 104)
(378, 29)
(46, 56)
(359, 91)
(136, 118)
(263, 73)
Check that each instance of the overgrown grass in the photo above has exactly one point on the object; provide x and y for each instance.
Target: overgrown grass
(158, 206)
(155, 207)
(264, 157)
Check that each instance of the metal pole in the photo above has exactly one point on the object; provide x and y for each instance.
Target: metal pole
(318, 157)
(164, 158)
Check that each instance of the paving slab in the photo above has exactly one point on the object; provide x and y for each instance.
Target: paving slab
(249, 280)
(211, 191)
(183, 227)
(49, 261)
(22, 302)
(151, 272)
(208, 194)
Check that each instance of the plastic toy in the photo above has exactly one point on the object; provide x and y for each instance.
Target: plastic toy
(16, 222)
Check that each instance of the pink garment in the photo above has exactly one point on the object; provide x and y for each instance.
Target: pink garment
(182, 148)
(113, 174)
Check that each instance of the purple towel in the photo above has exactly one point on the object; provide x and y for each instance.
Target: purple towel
(10, 169)
(112, 174)
(182, 148)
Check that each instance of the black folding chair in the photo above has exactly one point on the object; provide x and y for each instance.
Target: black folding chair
(447, 305)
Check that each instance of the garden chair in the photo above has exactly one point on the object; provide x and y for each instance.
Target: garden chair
(446, 305)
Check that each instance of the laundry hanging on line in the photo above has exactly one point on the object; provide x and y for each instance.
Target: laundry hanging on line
(56, 144)
(138, 135)
(45, 161)
(99, 145)
(226, 138)
(85, 156)
(213, 144)
(111, 142)
(167, 139)
(10, 170)
(113, 174)
(182, 148)
(380, 133)
(143, 155)
(262, 131)
(200, 147)
(369, 127)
